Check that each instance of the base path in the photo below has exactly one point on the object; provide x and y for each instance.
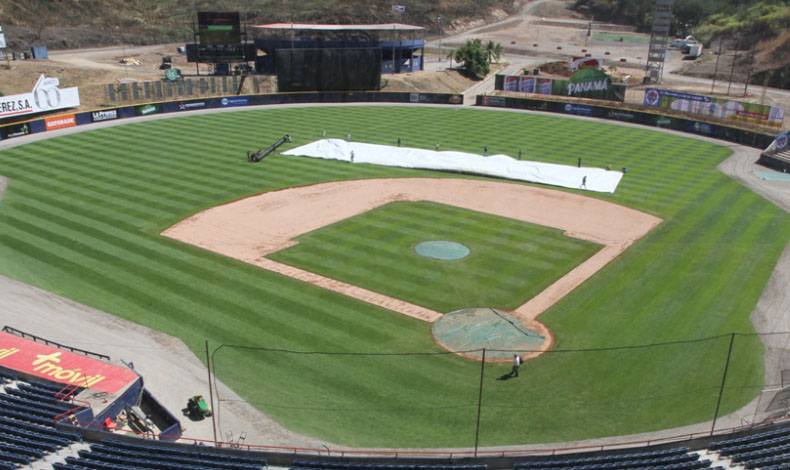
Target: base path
(251, 228)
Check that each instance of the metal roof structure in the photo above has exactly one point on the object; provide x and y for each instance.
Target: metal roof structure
(340, 27)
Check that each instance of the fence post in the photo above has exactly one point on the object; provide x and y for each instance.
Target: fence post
(211, 395)
(723, 380)
(480, 399)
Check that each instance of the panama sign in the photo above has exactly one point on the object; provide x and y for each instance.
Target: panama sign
(589, 83)
(585, 83)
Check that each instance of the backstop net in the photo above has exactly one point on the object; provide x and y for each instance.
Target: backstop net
(436, 399)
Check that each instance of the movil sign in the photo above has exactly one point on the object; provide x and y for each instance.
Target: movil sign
(46, 96)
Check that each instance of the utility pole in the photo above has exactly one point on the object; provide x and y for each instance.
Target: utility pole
(716, 70)
(439, 24)
(125, 62)
(751, 65)
(732, 69)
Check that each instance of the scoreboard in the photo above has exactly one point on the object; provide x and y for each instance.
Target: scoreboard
(219, 27)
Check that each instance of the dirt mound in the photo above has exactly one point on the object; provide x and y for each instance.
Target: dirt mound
(441, 81)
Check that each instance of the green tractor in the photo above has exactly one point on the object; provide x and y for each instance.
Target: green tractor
(197, 408)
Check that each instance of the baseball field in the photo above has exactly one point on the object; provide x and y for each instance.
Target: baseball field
(640, 346)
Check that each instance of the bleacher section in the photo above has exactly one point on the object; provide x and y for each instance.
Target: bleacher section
(28, 437)
(677, 458)
(112, 454)
(27, 431)
(764, 450)
(776, 160)
(322, 465)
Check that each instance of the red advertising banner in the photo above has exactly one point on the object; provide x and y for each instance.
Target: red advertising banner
(60, 122)
(54, 364)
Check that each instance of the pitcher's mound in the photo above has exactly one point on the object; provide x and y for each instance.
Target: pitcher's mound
(470, 330)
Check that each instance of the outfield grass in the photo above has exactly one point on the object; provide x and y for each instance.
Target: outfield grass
(602, 36)
(510, 261)
(82, 214)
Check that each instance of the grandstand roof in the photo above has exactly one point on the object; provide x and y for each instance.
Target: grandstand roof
(341, 27)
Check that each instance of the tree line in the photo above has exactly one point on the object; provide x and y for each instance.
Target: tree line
(706, 19)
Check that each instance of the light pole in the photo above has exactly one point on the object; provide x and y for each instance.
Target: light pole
(439, 23)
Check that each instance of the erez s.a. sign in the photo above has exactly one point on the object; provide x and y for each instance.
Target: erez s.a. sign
(46, 96)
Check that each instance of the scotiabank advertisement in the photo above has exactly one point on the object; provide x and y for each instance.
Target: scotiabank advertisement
(54, 364)
(46, 96)
(60, 122)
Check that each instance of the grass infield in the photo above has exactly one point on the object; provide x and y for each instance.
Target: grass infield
(82, 214)
(510, 261)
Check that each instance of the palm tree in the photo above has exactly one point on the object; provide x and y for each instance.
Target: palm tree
(494, 51)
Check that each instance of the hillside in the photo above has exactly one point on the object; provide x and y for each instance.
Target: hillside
(762, 25)
(71, 24)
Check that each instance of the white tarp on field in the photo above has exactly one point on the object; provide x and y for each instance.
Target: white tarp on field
(502, 166)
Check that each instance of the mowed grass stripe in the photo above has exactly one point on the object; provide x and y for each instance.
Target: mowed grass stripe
(388, 264)
(642, 307)
(164, 265)
(97, 257)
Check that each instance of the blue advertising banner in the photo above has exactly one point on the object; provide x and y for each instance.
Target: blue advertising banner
(579, 109)
(235, 101)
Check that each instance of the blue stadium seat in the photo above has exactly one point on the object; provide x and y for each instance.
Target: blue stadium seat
(7, 376)
(15, 458)
(46, 430)
(190, 451)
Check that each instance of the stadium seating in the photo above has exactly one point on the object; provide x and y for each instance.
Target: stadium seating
(7, 376)
(112, 454)
(679, 457)
(321, 465)
(725, 445)
(38, 429)
(27, 430)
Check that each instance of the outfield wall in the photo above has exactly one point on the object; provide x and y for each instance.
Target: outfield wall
(717, 131)
(62, 121)
(691, 126)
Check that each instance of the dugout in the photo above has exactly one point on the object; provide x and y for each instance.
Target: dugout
(402, 46)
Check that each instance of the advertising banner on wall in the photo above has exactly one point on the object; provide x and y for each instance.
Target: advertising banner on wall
(108, 115)
(578, 109)
(237, 101)
(511, 83)
(543, 86)
(46, 96)
(526, 84)
(146, 109)
(60, 122)
(721, 108)
(587, 82)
